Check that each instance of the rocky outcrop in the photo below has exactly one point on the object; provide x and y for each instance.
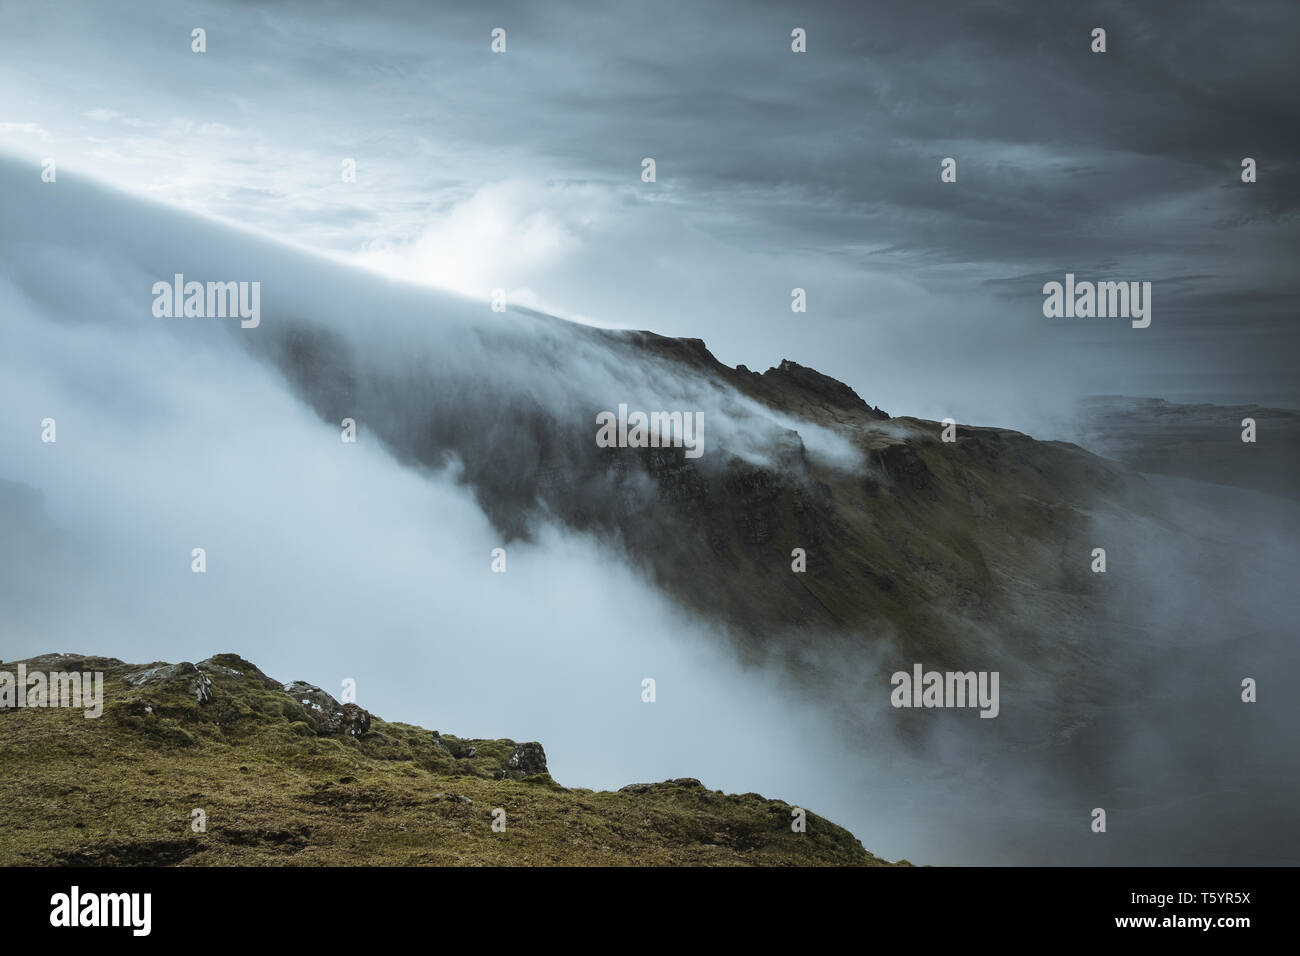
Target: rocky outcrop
(826, 390)
(235, 666)
(287, 774)
(197, 684)
(71, 662)
(528, 759)
(688, 783)
(327, 715)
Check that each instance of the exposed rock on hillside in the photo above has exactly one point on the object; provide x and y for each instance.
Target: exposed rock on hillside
(283, 773)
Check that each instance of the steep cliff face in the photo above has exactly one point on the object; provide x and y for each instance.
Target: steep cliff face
(811, 519)
(918, 532)
(810, 512)
(217, 763)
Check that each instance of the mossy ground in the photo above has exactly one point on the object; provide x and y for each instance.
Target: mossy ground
(121, 789)
(941, 546)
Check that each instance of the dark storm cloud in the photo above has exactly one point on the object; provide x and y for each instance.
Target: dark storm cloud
(774, 170)
(1045, 132)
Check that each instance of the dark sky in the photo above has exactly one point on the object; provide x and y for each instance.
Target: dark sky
(522, 171)
(775, 170)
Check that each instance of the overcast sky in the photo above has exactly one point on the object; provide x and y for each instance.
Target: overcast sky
(818, 170)
(522, 170)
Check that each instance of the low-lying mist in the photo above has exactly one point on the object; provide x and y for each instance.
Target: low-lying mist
(373, 561)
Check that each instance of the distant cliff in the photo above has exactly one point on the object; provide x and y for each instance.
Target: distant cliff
(1201, 441)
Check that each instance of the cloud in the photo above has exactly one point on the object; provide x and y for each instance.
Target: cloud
(776, 170)
(26, 129)
(476, 171)
(504, 230)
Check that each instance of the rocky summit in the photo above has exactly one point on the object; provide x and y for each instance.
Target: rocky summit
(216, 763)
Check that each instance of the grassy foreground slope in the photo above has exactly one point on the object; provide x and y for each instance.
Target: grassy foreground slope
(298, 779)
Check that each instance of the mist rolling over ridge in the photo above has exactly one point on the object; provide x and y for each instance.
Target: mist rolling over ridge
(682, 436)
(373, 560)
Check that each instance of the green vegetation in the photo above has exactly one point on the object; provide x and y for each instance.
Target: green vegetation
(929, 543)
(279, 785)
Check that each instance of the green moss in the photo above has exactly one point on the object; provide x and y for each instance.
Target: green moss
(275, 792)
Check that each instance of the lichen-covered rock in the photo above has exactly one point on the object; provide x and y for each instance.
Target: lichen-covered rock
(235, 666)
(327, 715)
(355, 721)
(686, 783)
(528, 759)
(197, 684)
(72, 662)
